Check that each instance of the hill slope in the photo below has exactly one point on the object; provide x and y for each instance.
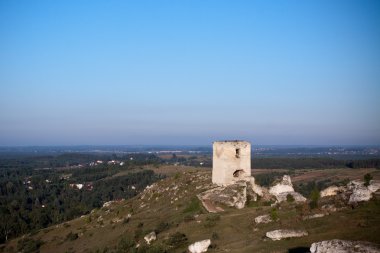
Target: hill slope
(171, 209)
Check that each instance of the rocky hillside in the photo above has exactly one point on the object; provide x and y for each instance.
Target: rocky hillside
(170, 216)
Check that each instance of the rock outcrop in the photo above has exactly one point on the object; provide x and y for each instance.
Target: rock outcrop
(150, 237)
(359, 192)
(279, 234)
(256, 188)
(330, 191)
(199, 247)
(234, 195)
(374, 185)
(263, 219)
(296, 196)
(342, 246)
(284, 188)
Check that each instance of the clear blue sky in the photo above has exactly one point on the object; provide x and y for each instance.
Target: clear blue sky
(189, 72)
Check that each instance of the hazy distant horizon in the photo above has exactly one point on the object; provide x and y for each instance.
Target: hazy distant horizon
(189, 72)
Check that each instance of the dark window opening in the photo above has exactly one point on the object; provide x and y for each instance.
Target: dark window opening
(238, 173)
(237, 154)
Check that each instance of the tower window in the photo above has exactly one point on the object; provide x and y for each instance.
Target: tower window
(237, 153)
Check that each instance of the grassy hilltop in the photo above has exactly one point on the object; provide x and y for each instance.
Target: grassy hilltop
(171, 209)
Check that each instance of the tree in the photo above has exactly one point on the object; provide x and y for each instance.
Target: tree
(314, 197)
(367, 178)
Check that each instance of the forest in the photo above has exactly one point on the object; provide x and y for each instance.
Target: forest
(32, 198)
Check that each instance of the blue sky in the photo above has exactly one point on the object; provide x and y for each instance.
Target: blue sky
(189, 72)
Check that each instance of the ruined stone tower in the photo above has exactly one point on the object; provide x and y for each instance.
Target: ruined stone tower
(231, 161)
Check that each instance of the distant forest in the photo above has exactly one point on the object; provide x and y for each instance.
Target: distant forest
(312, 163)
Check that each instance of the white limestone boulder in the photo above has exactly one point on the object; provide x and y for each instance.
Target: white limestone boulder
(284, 186)
(263, 219)
(359, 191)
(200, 246)
(330, 191)
(279, 234)
(313, 216)
(342, 246)
(234, 195)
(374, 185)
(150, 237)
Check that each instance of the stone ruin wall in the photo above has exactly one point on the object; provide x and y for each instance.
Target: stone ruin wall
(231, 161)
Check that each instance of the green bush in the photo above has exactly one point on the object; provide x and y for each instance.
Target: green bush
(211, 220)
(214, 236)
(194, 206)
(367, 178)
(289, 198)
(162, 226)
(28, 245)
(188, 218)
(176, 240)
(125, 244)
(71, 236)
(314, 197)
(274, 214)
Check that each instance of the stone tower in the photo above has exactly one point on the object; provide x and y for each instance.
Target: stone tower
(231, 161)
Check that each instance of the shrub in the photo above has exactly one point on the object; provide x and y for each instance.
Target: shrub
(314, 197)
(162, 226)
(214, 236)
(176, 240)
(125, 244)
(367, 178)
(289, 198)
(211, 220)
(151, 249)
(194, 206)
(177, 175)
(274, 214)
(188, 218)
(28, 245)
(71, 236)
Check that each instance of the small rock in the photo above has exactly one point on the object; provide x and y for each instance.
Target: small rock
(199, 247)
(314, 216)
(342, 246)
(263, 219)
(150, 237)
(279, 234)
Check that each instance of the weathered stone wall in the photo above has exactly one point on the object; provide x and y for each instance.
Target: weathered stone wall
(231, 161)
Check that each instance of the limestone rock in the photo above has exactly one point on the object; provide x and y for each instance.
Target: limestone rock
(314, 216)
(284, 186)
(150, 237)
(263, 219)
(279, 234)
(374, 185)
(330, 191)
(342, 246)
(359, 192)
(234, 195)
(256, 188)
(199, 247)
(297, 197)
